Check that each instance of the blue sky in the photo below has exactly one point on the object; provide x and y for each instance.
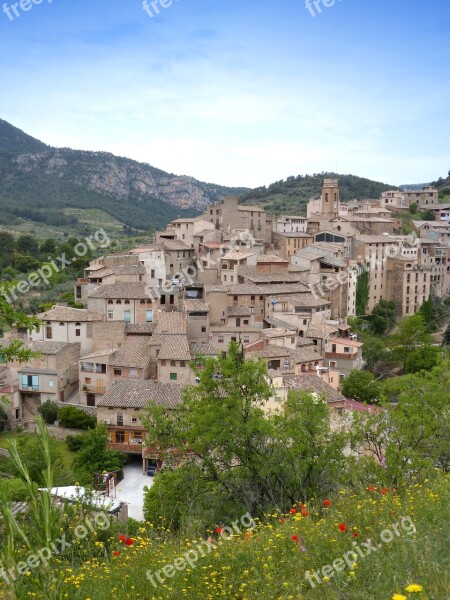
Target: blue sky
(237, 92)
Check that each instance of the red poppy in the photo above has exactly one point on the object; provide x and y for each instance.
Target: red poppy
(122, 538)
(282, 520)
(129, 542)
(116, 553)
(218, 530)
(342, 527)
(294, 538)
(326, 502)
(305, 513)
(371, 488)
(355, 534)
(293, 511)
(302, 506)
(384, 491)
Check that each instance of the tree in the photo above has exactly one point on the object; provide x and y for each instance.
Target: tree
(27, 244)
(362, 293)
(95, 457)
(429, 314)
(383, 317)
(361, 386)
(424, 358)
(3, 419)
(411, 334)
(374, 351)
(76, 418)
(247, 458)
(49, 411)
(410, 437)
(413, 208)
(446, 340)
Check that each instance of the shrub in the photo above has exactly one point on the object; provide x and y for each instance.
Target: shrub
(71, 416)
(49, 411)
(14, 489)
(74, 442)
(3, 419)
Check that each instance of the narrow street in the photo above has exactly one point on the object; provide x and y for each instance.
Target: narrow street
(131, 488)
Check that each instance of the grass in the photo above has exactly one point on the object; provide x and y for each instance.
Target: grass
(66, 455)
(409, 529)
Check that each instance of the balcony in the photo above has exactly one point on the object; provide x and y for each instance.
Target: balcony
(29, 388)
(341, 355)
(93, 389)
(127, 448)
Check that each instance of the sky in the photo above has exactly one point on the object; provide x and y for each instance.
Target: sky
(236, 92)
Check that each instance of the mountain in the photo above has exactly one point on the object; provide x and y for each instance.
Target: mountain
(413, 186)
(38, 182)
(292, 195)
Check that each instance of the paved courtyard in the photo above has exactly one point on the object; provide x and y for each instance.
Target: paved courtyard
(131, 489)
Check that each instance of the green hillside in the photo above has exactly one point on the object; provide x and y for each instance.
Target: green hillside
(292, 195)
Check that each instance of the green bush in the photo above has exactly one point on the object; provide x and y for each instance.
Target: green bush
(14, 489)
(74, 442)
(73, 417)
(3, 419)
(49, 411)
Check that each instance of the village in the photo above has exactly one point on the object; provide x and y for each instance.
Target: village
(283, 287)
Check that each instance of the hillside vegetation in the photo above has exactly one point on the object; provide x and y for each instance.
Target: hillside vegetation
(37, 182)
(292, 195)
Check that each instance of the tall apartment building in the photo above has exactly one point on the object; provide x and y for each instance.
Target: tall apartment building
(231, 218)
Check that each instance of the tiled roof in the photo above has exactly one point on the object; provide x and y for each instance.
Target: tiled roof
(122, 290)
(66, 313)
(196, 306)
(346, 341)
(42, 347)
(175, 347)
(139, 328)
(280, 323)
(202, 348)
(272, 289)
(237, 255)
(171, 245)
(238, 311)
(134, 353)
(305, 354)
(297, 234)
(303, 300)
(321, 330)
(267, 278)
(270, 351)
(171, 323)
(132, 393)
(129, 269)
(272, 332)
(233, 329)
(312, 383)
(271, 258)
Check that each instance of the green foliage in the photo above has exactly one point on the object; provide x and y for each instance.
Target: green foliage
(14, 489)
(374, 350)
(257, 461)
(424, 358)
(361, 386)
(411, 334)
(411, 437)
(10, 317)
(446, 340)
(49, 411)
(3, 419)
(95, 457)
(76, 418)
(413, 208)
(362, 293)
(382, 317)
(30, 451)
(74, 442)
(291, 196)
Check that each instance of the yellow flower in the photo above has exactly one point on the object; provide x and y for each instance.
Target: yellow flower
(414, 587)
(399, 597)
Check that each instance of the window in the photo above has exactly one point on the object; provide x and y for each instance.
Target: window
(117, 371)
(62, 324)
(110, 314)
(220, 339)
(127, 302)
(182, 363)
(333, 363)
(142, 302)
(119, 417)
(90, 399)
(235, 298)
(245, 321)
(173, 377)
(149, 316)
(173, 363)
(87, 380)
(134, 419)
(149, 301)
(77, 332)
(51, 384)
(252, 298)
(30, 382)
(118, 301)
(48, 333)
(127, 316)
(203, 329)
(163, 363)
(246, 339)
(133, 373)
(347, 349)
(152, 273)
